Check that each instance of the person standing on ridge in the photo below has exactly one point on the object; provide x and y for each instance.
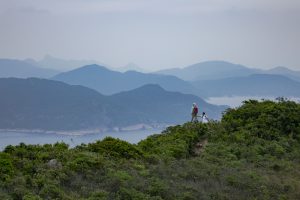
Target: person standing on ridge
(204, 118)
(194, 112)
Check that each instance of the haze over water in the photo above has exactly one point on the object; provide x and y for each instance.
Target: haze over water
(14, 138)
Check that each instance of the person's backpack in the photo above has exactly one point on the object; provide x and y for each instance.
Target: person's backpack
(195, 111)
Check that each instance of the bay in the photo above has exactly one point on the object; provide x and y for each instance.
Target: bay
(15, 138)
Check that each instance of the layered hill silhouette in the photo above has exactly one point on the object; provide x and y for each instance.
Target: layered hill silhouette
(213, 70)
(209, 70)
(60, 64)
(51, 105)
(109, 82)
(207, 79)
(154, 104)
(23, 69)
(294, 75)
(256, 84)
(246, 84)
(42, 104)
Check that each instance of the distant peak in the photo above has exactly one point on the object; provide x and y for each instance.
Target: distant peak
(132, 64)
(132, 72)
(150, 87)
(94, 67)
(131, 67)
(280, 68)
(217, 62)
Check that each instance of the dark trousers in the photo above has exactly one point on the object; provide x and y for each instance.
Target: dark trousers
(194, 117)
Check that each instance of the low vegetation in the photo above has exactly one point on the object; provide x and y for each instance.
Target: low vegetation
(252, 153)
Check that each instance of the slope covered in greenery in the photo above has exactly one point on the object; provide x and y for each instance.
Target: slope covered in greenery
(252, 153)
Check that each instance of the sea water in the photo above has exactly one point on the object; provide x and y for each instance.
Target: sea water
(15, 138)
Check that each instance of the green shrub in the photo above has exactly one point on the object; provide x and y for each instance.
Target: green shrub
(177, 141)
(115, 148)
(6, 166)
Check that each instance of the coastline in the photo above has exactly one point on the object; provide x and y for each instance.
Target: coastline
(136, 127)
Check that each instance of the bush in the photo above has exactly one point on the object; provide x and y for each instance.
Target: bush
(115, 148)
(6, 166)
(177, 141)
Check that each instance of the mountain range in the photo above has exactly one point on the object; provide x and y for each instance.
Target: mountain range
(52, 105)
(60, 64)
(213, 70)
(294, 75)
(252, 85)
(95, 97)
(207, 79)
(109, 82)
(210, 70)
(246, 82)
(22, 69)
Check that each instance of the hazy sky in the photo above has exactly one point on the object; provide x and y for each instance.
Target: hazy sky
(154, 34)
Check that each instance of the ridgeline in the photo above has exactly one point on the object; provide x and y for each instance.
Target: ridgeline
(252, 153)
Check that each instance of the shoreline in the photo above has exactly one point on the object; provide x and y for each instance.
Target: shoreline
(133, 128)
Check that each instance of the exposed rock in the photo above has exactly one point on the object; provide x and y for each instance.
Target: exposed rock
(199, 147)
(53, 163)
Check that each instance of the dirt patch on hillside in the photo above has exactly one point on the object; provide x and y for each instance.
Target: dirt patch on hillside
(199, 147)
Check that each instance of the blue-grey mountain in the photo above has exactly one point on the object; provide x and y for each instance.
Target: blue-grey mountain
(60, 64)
(109, 82)
(51, 105)
(295, 75)
(253, 85)
(213, 70)
(210, 70)
(23, 69)
(154, 104)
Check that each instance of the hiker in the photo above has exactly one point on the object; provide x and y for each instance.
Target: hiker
(204, 118)
(194, 112)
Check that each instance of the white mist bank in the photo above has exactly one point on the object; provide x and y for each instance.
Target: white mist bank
(235, 101)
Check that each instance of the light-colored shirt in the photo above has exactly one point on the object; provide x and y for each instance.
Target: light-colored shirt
(204, 119)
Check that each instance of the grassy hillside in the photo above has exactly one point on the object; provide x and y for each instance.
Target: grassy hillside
(253, 153)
